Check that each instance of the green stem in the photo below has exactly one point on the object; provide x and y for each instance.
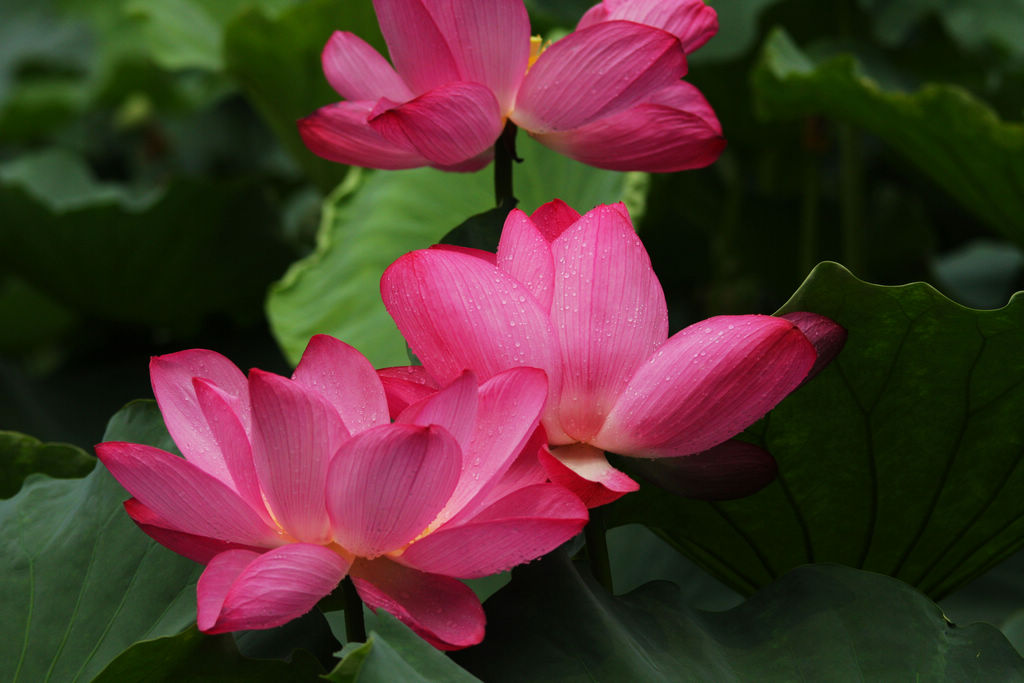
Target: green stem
(851, 197)
(504, 155)
(355, 627)
(595, 534)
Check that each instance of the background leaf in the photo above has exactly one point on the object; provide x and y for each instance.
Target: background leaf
(392, 652)
(191, 656)
(336, 290)
(157, 258)
(949, 135)
(21, 455)
(80, 582)
(818, 622)
(902, 457)
(276, 61)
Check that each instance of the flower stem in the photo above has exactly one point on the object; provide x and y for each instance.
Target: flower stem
(504, 155)
(355, 627)
(597, 548)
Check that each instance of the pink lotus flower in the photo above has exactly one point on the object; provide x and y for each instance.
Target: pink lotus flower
(576, 297)
(609, 94)
(289, 485)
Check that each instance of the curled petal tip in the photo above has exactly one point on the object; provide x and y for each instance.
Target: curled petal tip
(827, 336)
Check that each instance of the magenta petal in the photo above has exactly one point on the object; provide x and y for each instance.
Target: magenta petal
(733, 469)
(693, 22)
(453, 407)
(242, 590)
(346, 378)
(419, 50)
(489, 41)
(524, 471)
(553, 218)
(827, 336)
(518, 528)
(608, 312)
(594, 15)
(405, 385)
(340, 132)
(443, 611)
(706, 384)
(596, 72)
(509, 411)
(458, 312)
(190, 499)
(448, 125)
(585, 471)
(199, 549)
(661, 134)
(525, 254)
(358, 72)
(388, 483)
(296, 432)
(222, 412)
(171, 376)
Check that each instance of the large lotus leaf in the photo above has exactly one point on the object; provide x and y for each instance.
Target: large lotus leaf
(182, 34)
(78, 581)
(817, 623)
(392, 652)
(949, 135)
(164, 259)
(22, 455)
(191, 656)
(276, 60)
(336, 290)
(973, 23)
(902, 457)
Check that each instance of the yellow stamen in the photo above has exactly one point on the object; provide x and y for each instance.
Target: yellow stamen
(537, 47)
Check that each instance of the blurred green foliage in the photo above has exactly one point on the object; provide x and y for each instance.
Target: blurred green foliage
(155, 195)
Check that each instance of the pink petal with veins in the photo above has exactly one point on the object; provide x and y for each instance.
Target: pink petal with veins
(458, 312)
(296, 433)
(199, 549)
(171, 377)
(343, 376)
(242, 590)
(553, 218)
(608, 312)
(187, 497)
(693, 22)
(358, 72)
(595, 72)
(489, 41)
(443, 611)
(405, 385)
(340, 132)
(222, 411)
(509, 410)
(519, 528)
(448, 125)
(388, 483)
(525, 254)
(673, 130)
(421, 53)
(585, 471)
(706, 384)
